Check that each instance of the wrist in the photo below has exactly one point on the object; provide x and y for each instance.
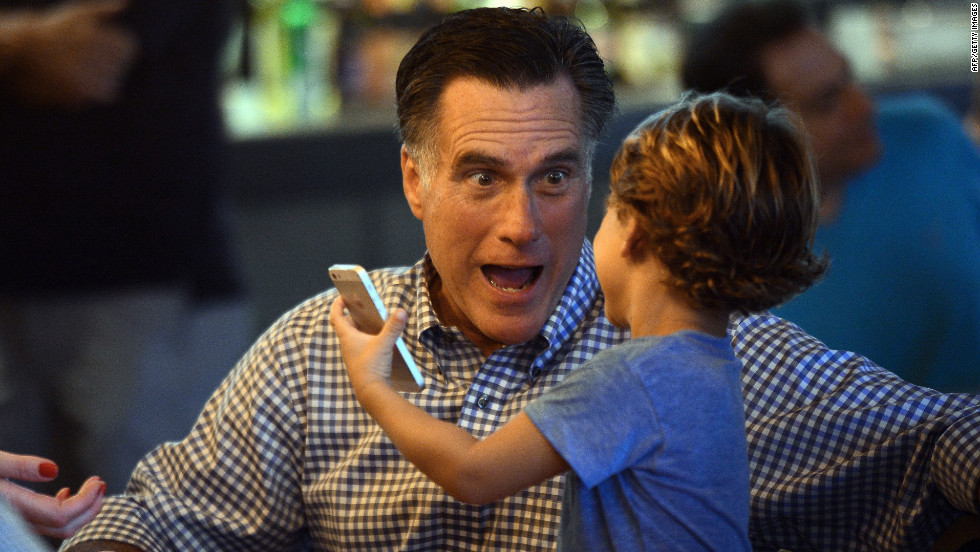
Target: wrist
(372, 393)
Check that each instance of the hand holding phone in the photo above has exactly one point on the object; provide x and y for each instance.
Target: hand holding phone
(369, 314)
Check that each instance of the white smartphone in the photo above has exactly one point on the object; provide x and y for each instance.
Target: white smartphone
(369, 313)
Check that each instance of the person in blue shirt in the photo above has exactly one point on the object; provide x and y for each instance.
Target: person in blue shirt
(712, 211)
(900, 197)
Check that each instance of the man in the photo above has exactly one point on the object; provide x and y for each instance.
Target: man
(900, 197)
(499, 112)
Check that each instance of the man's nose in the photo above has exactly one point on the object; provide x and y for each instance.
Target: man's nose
(520, 221)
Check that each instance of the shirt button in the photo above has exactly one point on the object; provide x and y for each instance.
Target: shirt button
(482, 401)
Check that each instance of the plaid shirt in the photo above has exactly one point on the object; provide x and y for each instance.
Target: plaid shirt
(282, 458)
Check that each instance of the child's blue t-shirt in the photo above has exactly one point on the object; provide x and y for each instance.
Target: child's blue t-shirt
(654, 431)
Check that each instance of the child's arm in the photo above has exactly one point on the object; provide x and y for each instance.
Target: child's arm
(513, 458)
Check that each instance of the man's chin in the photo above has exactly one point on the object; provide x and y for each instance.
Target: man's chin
(514, 330)
(518, 336)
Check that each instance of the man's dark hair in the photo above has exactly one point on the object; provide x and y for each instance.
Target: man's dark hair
(725, 54)
(509, 48)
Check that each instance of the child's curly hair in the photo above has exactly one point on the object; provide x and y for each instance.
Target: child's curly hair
(726, 192)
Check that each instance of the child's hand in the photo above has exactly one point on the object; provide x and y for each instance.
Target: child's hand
(367, 357)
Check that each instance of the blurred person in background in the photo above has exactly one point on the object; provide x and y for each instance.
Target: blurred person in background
(900, 213)
(971, 120)
(118, 287)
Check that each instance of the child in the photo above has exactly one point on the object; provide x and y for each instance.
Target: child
(712, 210)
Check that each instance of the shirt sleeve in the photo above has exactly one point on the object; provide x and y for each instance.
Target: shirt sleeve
(956, 459)
(843, 451)
(234, 482)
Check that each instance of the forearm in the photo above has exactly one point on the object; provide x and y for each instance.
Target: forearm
(437, 448)
(477, 472)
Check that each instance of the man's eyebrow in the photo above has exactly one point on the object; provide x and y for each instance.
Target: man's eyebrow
(569, 155)
(476, 158)
(482, 159)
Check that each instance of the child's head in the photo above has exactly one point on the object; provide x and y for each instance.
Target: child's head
(725, 193)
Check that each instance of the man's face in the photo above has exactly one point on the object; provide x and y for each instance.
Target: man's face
(805, 72)
(504, 208)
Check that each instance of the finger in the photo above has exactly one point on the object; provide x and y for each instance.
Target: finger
(64, 517)
(90, 493)
(33, 507)
(340, 322)
(394, 326)
(24, 467)
(72, 526)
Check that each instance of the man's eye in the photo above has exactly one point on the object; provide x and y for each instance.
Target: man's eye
(482, 179)
(555, 178)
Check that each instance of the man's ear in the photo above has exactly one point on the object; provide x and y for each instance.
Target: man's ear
(412, 183)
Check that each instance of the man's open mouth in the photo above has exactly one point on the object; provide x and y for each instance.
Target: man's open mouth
(512, 278)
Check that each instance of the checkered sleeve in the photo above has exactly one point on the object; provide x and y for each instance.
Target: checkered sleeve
(956, 462)
(843, 454)
(234, 482)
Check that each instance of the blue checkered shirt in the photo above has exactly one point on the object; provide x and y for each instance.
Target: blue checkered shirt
(843, 455)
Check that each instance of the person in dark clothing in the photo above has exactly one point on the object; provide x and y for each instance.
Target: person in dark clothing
(112, 152)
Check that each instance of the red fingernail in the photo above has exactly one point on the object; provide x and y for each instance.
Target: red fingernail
(102, 489)
(48, 469)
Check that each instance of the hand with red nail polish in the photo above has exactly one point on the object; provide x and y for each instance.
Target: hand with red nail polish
(58, 516)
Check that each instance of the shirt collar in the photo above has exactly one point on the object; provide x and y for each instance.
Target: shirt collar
(572, 308)
(426, 314)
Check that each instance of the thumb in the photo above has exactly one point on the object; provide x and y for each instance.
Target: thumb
(394, 327)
